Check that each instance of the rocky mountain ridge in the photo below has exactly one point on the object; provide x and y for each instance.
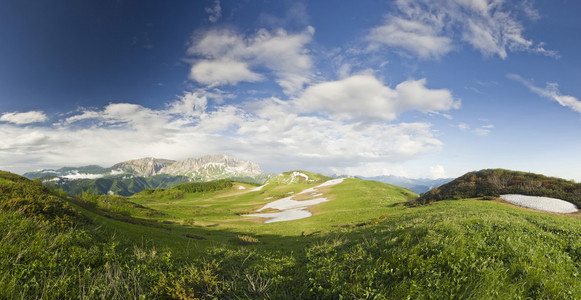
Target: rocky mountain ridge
(209, 167)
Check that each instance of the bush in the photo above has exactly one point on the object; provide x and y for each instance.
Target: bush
(244, 240)
(198, 187)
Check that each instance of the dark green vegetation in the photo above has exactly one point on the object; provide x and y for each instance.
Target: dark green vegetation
(33, 199)
(492, 183)
(119, 185)
(362, 244)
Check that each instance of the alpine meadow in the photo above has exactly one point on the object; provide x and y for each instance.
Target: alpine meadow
(223, 149)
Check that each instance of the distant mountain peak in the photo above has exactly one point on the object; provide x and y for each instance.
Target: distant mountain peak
(150, 172)
(205, 168)
(147, 166)
(212, 166)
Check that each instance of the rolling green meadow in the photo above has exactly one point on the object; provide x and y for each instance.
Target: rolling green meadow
(193, 242)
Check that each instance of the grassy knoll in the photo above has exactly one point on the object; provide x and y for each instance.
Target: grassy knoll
(491, 183)
(364, 243)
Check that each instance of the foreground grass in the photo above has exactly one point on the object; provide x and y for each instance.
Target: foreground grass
(462, 249)
(451, 250)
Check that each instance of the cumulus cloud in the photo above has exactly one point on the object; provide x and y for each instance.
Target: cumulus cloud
(551, 92)
(365, 98)
(225, 57)
(428, 28)
(269, 131)
(24, 118)
(220, 72)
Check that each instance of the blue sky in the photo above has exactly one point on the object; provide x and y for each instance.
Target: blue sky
(413, 88)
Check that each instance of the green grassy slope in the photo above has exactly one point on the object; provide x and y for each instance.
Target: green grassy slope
(363, 243)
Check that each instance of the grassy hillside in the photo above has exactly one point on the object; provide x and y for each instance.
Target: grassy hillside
(363, 243)
(492, 183)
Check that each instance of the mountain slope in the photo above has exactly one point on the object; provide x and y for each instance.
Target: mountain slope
(31, 197)
(205, 168)
(144, 167)
(494, 182)
(118, 185)
(212, 167)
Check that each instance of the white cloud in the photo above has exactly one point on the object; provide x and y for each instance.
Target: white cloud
(220, 72)
(551, 91)
(428, 28)
(215, 12)
(269, 131)
(424, 40)
(226, 57)
(481, 131)
(191, 104)
(24, 118)
(437, 172)
(364, 98)
(464, 126)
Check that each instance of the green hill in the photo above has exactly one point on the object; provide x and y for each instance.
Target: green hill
(494, 182)
(194, 241)
(33, 199)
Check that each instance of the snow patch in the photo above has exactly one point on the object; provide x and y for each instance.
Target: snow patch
(291, 209)
(289, 203)
(287, 215)
(256, 189)
(541, 203)
(241, 188)
(295, 175)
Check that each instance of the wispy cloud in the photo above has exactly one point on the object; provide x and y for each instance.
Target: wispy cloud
(429, 29)
(551, 92)
(24, 118)
(483, 130)
(417, 36)
(215, 12)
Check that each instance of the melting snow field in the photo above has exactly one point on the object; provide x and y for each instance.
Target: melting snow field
(541, 203)
(291, 209)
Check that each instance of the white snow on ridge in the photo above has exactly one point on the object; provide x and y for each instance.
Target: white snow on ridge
(291, 209)
(256, 189)
(289, 203)
(287, 215)
(296, 174)
(541, 203)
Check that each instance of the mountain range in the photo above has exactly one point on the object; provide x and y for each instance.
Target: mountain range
(417, 185)
(132, 176)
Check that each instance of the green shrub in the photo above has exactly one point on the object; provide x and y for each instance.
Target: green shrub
(243, 240)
